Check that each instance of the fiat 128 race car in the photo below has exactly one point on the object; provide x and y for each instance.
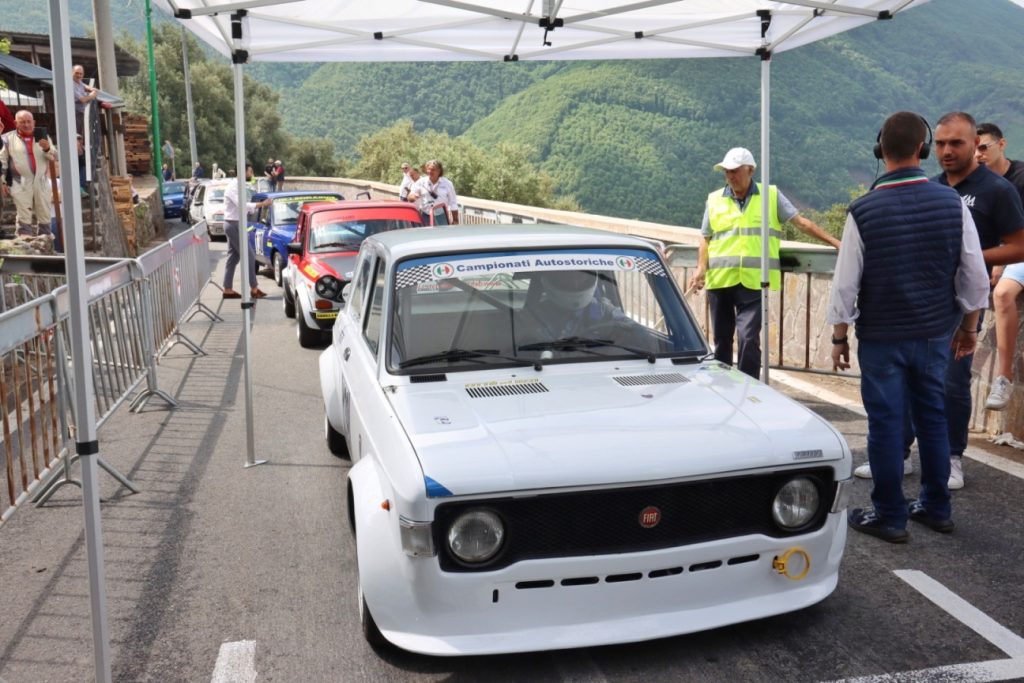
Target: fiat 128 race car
(545, 456)
(327, 240)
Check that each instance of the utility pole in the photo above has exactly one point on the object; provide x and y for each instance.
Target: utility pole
(192, 148)
(158, 160)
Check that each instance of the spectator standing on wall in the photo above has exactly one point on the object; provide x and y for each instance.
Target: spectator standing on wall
(1009, 281)
(268, 173)
(729, 257)
(166, 173)
(909, 313)
(279, 175)
(28, 160)
(197, 171)
(216, 172)
(168, 152)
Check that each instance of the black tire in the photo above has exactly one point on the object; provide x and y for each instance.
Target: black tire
(371, 633)
(336, 442)
(288, 304)
(308, 337)
(277, 267)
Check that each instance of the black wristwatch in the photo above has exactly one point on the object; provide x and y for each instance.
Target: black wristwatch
(844, 340)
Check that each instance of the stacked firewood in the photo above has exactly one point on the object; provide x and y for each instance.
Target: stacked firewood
(121, 186)
(138, 151)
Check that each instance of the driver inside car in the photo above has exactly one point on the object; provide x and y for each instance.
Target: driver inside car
(569, 304)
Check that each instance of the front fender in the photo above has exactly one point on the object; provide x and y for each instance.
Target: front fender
(379, 552)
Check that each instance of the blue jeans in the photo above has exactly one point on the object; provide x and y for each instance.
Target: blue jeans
(958, 400)
(894, 375)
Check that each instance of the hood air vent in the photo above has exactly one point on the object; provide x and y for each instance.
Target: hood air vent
(506, 390)
(420, 379)
(644, 380)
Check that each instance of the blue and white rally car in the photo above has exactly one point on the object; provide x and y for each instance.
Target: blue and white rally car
(273, 226)
(544, 455)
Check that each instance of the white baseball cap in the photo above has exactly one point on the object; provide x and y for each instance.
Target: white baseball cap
(736, 157)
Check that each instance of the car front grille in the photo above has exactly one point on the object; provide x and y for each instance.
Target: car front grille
(608, 521)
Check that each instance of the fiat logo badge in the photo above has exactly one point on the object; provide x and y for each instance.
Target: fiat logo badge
(649, 517)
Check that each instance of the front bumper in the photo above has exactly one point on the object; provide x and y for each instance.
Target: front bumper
(215, 228)
(597, 600)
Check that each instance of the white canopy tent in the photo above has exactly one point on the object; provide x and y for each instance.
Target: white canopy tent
(436, 30)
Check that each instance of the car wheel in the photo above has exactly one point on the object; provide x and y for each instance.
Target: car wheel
(308, 336)
(336, 443)
(277, 264)
(371, 633)
(288, 303)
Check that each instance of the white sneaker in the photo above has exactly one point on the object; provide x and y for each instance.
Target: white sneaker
(956, 472)
(864, 471)
(1002, 388)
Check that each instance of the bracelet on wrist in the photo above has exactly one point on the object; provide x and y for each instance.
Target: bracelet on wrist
(844, 340)
(968, 331)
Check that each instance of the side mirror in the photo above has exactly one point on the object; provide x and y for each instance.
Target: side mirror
(295, 248)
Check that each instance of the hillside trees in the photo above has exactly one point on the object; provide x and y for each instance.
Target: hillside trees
(213, 100)
(503, 172)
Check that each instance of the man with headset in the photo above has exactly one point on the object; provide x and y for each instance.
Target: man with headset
(909, 313)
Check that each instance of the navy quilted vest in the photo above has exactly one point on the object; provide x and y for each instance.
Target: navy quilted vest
(912, 235)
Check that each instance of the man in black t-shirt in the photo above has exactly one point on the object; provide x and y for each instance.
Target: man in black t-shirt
(1010, 281)
(999, 217)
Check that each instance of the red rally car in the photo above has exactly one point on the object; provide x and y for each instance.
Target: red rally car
(320, 259)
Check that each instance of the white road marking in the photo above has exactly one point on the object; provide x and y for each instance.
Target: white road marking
(789, 380)
(1011, 467)
(969, 615)
(997, 670)
(966, 613)
(236, 663)
(1002, 464)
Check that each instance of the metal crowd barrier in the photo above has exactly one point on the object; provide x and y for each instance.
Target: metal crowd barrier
(134, 309)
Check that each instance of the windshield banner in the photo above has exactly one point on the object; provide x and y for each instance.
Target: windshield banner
(416, 271)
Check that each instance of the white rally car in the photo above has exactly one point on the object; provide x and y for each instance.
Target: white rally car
(545, 457)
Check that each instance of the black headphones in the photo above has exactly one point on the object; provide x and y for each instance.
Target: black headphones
(925, 151)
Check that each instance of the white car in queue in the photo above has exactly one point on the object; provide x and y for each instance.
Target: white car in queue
(544, 455)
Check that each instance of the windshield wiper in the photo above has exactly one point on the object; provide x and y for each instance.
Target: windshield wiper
(350, 245)
(575, 342)
(454, 355)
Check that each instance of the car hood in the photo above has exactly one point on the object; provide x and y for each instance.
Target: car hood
(341, 262)
(592, 424)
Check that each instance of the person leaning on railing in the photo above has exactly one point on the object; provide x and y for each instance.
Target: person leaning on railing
(729, 259)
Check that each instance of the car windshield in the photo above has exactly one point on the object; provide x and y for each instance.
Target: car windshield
(174, 188)
(286, 209)
(467, 311)
(331, 233)
(216, 195)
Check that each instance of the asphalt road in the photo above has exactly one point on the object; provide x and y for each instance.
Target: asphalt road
(261, 562)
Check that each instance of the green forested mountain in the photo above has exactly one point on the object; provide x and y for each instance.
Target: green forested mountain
(638, 138)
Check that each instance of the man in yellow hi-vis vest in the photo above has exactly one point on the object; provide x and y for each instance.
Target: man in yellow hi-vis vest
(729, 261)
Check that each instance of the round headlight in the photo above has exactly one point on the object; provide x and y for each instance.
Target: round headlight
(795, 504)
(328, 287)
(475, 536)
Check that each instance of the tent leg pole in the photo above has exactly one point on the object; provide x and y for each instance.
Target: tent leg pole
(84, 407)
(765, 181)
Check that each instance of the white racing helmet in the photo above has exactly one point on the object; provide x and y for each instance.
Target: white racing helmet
(569, 289)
